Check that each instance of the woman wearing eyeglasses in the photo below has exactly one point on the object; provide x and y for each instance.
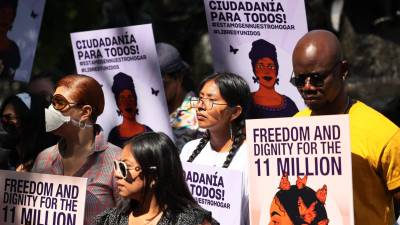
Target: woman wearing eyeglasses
(83, 150)
(220, 110)
(266, 101)
(22, 117)
(151, 183)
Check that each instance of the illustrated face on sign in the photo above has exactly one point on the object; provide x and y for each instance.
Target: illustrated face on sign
(278, 214)
(298, 204)
(127, 104)
(265, 70)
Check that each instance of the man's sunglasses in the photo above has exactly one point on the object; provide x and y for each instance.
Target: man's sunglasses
(315, 79)
(59, 102)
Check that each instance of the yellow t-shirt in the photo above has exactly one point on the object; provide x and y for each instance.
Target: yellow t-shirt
(375, 145)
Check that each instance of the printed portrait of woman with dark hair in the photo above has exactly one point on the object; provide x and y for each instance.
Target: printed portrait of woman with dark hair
(126, 100)
(298, 204)
(10, 58)
(266, 101)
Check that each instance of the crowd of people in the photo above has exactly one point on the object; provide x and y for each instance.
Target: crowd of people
(136, 175)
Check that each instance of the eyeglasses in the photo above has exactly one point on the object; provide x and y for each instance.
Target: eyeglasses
(208, 103)
(264, 67)
(315, 79)
(122, 169)
(59, 102)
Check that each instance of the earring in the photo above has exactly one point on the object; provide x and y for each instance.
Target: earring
(230, 131)
(82, 124)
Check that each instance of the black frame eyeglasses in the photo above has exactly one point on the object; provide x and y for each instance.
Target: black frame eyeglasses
(316, 79)
(208, 103)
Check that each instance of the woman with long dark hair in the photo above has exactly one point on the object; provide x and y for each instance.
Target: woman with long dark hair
(220, 110)
(151, 183)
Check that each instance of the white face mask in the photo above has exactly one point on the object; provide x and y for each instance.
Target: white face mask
(54, 119)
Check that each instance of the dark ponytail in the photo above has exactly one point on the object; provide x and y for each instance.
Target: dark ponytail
(235, 91)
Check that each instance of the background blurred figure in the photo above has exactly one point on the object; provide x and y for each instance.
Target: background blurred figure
(42, 85)
(151, 183)
(10, 58)
(266, 101)
(22, 117)
(126, 99)
(83, 150)
(178, 87)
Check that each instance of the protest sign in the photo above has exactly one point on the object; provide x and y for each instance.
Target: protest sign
(38, 199)
(296, 166)
(218, 190)
(243, 34)
(124, 61)
(19, 30)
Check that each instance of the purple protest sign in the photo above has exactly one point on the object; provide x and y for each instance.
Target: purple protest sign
(218, 190)
(32, 198)
(124, 61)
(295, 168)
(255, 39)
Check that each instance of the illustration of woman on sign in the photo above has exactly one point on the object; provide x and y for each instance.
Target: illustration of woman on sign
(126, 99)
(10, 58)
(298, 204)
(266, 101)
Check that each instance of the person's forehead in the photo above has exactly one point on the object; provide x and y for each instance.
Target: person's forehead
(312, 58)
(265, 60)
(210, 88)
(9, 110)
(65, 92)
(127, 155)
(126, 92)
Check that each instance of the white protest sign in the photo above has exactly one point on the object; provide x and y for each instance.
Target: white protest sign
(38, 199)
(243, 34)
(296, 166)
(218, 190)
(124, 58)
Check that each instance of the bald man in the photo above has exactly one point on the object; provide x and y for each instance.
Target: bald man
(319, 75)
